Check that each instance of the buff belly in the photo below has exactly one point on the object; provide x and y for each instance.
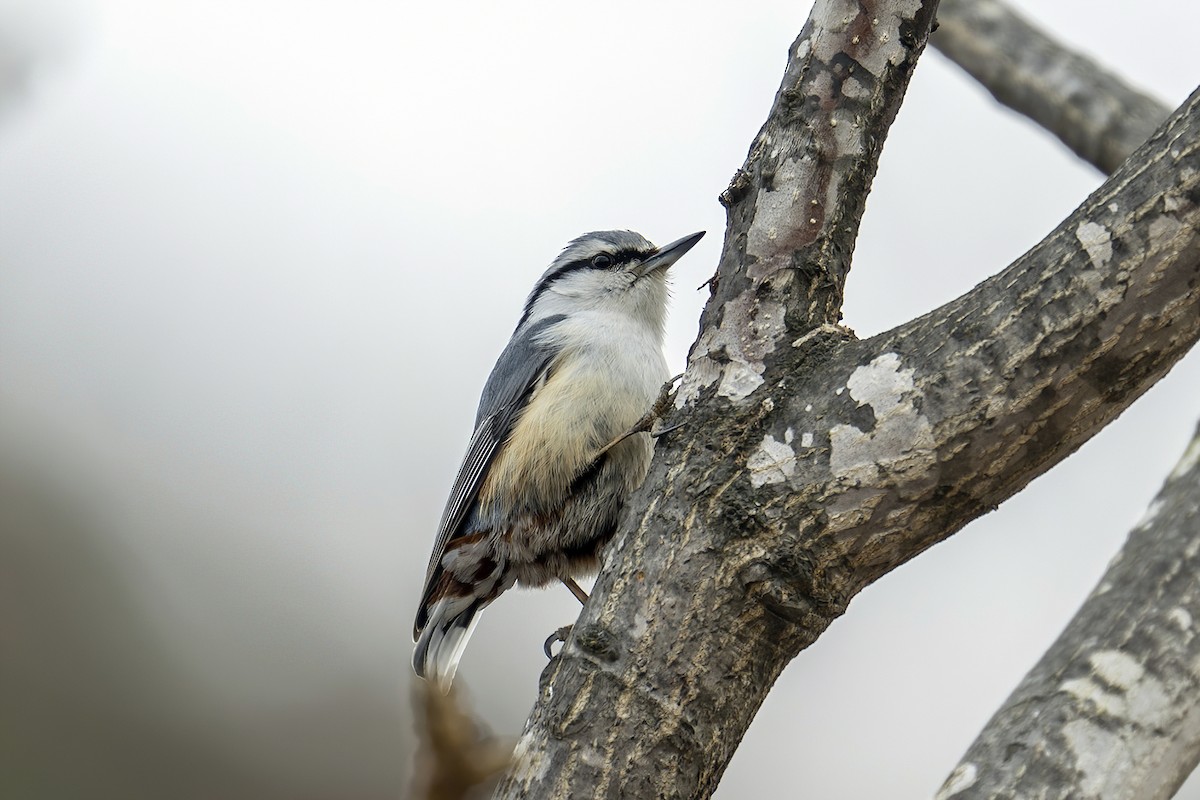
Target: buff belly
(559, 505)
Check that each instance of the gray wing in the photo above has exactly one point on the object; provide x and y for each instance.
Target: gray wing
(520, 367)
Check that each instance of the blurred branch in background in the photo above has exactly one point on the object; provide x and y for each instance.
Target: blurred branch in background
(1099, 116)
(457, 758)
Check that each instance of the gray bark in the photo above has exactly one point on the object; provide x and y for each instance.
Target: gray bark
(812, 463)
(1112, 709)
(1093, 112)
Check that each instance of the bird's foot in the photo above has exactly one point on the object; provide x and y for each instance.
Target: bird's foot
(646, 423)
(660, 408)
(559, 635)
(573, 587)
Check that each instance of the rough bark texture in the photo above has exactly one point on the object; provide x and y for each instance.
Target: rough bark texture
(1117, 697)
(811, 463)
(1096, 114)
(629, 712)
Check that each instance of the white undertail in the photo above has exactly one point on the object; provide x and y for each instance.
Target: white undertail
(452, 620)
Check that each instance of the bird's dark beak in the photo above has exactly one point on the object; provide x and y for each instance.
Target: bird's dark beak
(668, 255)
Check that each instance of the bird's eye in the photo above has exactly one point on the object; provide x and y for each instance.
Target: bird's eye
(602, 261)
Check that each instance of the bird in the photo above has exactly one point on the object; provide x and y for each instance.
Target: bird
(554, 454)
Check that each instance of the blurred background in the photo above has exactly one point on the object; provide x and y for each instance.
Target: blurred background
(256, 261)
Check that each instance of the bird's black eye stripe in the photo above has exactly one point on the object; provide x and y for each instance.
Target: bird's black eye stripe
(610, 260)
(614, 260)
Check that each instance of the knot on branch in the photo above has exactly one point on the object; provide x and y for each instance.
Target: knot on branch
(788, 591)
(597, 641)
(739, 187)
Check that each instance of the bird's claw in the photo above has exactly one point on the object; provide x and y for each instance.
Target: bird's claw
(559, 635)
(668, 429)
(659, 410)
(646, 423)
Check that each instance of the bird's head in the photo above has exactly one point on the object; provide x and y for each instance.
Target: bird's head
(608, 271)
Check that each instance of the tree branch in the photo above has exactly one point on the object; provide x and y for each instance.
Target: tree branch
(1093, 112)
(1118, 694)
(1091, 736)
(812, 463)
(614, 720)
(1015, 375)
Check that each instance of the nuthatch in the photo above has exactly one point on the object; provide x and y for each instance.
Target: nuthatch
(549, 465)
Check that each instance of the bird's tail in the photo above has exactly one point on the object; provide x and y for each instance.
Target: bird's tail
(450, 624)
